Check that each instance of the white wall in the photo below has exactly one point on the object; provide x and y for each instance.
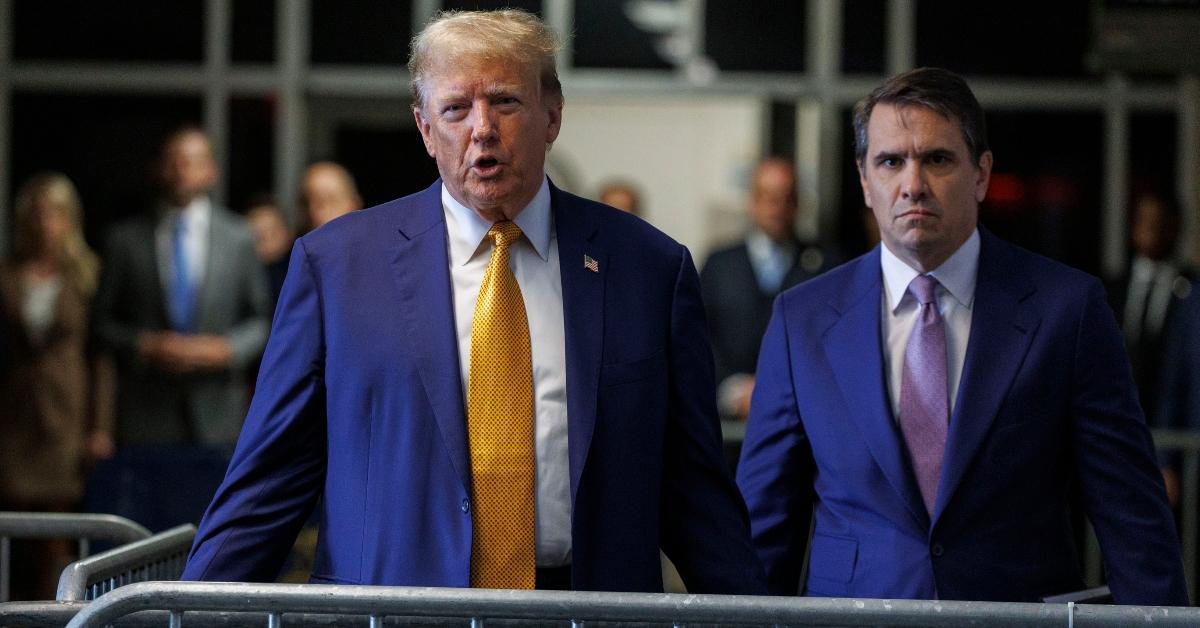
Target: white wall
(690, 156)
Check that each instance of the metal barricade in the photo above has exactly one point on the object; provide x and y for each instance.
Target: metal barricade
(159, 557)
(275, 604)
(43, 525)
(1185, 444)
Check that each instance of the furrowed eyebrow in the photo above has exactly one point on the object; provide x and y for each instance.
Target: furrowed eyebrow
(937, 152)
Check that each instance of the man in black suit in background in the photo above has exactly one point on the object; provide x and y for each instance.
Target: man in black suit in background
(739, 282)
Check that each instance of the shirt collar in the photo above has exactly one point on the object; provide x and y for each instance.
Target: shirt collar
(196, 213)
(957, 274)
(761, 247)
(467, 229)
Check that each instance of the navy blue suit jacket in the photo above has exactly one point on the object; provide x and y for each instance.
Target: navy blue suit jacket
(359, 401)
(1046, 400)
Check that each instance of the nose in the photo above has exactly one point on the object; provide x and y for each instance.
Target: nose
(914, 187)
(484, 128)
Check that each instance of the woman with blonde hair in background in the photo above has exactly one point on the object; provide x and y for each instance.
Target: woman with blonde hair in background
(54, 397)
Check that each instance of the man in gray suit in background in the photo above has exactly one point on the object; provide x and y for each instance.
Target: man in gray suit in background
(183, 307)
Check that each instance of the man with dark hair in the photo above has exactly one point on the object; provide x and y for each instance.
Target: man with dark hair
(184, 308)
(490, 383)
(935, 400)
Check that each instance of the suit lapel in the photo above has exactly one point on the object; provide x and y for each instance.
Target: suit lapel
(421, 269)
(210, 293)
(855, 351)
(583, 324)
(1002, 327)
(156, 285)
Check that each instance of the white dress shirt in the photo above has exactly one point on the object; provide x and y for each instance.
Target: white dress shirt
(534, 262)
(1151, 285)
(769, 259)
(955, 296)
(197, 217)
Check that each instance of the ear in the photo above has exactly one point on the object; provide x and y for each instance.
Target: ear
(983, 176)
(424, 126)
(554, 113)
(862, 181)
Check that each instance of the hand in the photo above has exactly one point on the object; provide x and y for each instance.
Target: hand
(99, 445)
(184, 353)
(1171, 479)
(742, 395)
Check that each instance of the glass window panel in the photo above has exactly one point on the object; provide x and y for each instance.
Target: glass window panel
(532, 6)
(864, 37)
(367, 32)
(756, 36)
(253, 31)
(132, 30)
(606, 37)
(106, 144)
(1152, 151)
(387, 163)
(997, 38)
(251, 150)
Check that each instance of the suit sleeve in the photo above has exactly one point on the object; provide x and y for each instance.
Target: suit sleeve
(704, 528)
(774, 473)
(1120, 481)
(278, 468)
(110, 331)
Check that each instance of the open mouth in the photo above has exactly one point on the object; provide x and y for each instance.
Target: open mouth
(486, 166)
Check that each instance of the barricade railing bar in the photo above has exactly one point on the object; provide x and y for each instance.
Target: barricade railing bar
(81, 527)
(375, 604)
(159, 557)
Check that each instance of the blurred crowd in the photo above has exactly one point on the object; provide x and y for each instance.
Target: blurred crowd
(124, 377)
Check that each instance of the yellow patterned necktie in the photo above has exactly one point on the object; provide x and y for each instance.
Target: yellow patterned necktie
(500, 427)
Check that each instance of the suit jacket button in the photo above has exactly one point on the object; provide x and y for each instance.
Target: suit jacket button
(937, 550)
(466, 505)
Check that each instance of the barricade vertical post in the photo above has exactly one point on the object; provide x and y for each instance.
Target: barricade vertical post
(1187, 506)
(4, 557)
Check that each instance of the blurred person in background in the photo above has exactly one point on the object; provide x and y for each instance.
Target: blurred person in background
(327, 192)
(55, 398)
(1154, 285)
(1147, 299)
(273, 240)
(623, 195)
(183, 306)
(740, 281)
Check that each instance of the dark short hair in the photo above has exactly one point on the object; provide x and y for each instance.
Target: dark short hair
(936, 89)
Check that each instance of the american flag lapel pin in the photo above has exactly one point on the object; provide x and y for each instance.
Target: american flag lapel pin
(591, 264)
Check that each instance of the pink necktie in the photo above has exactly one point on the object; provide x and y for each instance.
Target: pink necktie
(924, 403)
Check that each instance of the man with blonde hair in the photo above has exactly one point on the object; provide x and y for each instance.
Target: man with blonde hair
(457, 374)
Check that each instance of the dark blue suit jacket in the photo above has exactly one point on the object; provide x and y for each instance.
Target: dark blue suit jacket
(1046, 400)
(359, 401)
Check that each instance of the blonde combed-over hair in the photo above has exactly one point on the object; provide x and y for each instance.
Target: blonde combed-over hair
(509, 35)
